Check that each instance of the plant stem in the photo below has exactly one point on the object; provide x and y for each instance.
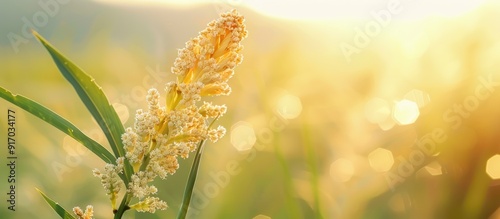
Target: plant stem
(123, 206)
(188, 192)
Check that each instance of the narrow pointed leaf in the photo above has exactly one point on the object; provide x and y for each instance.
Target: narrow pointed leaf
(63, 213)
(193, 174)
(94, 99)
(59, 122)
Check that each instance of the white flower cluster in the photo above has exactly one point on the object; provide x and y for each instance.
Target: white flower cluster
(110, 179)
(88, 214)
(161, 134)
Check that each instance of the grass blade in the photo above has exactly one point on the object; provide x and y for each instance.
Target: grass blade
(59, 122)
(63, 213)
(311, 159)
(188, 192)
(294, 211)
(94, 99)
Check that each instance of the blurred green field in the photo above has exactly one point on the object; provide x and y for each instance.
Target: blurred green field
(319, 163)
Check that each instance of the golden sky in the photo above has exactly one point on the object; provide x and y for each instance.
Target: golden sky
(336, 9)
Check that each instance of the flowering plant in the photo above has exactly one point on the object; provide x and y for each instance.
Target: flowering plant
(161, 133)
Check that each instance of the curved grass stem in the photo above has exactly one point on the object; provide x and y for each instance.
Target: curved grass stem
(188, 192)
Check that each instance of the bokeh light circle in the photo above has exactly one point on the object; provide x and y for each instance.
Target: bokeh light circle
(289, 106)
(243, 136)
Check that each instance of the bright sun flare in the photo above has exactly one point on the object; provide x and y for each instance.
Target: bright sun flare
(337, 9)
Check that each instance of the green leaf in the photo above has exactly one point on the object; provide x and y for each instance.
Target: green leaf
(193, 174)
(63, 213)
(59, 122)
(94, 99)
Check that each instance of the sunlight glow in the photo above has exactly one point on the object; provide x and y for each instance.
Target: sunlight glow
(341, 170)
(145, 2)
(420, 97)
(321, 9)
(434, 169)
(406, 112)
(325, 10)
(388, 124)
(493, 167)
(381, 160)
(289, 106)
(377, 110)
(243, 136)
